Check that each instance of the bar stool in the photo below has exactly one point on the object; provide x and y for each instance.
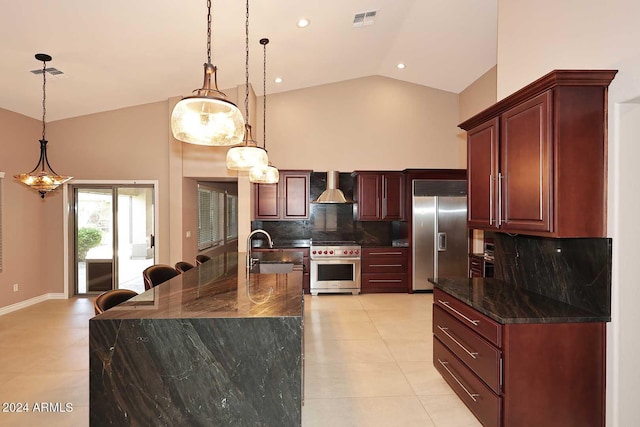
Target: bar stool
(202, 258)
(157, 274)
(183, 266)
(111, 298)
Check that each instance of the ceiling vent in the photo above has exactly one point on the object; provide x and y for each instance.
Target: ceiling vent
(51, 70)
(364, 18)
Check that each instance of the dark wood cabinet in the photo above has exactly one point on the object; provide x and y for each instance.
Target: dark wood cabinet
(379, 196)
(384, 269)
(529, 374)
(286, 200)
(537, 159)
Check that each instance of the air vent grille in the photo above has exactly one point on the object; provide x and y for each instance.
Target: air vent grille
(364, 18)
(50, 70)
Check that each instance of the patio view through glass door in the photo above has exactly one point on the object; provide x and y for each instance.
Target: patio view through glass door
(113, 236)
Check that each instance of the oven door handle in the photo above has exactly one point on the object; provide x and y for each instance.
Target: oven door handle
(334, 260)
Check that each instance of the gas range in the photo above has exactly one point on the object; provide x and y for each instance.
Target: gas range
(334, 249)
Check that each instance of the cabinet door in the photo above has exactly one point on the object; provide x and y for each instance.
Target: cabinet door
(369, 197)
(295, 189)
(482, 169)
(525, 163)
(267, 201)
(393, 196)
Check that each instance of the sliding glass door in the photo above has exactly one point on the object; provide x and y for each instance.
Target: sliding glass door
(113, 236)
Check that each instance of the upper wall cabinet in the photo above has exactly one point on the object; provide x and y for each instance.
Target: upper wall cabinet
(379, 195)
(288, 199)
(537, 160)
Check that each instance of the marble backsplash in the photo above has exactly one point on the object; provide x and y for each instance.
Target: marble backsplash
(576, 271)
(332, 222)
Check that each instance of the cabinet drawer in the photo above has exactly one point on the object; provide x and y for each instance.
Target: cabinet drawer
(476, 321)
(384, 265)
(480, 356)
(384, 283)
(479, 398)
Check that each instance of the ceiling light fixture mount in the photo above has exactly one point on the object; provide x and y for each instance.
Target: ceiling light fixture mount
(43, 181)
(247, 155)
(267, 174)
(208, 117)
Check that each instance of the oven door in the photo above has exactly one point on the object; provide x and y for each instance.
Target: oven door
(335, 275)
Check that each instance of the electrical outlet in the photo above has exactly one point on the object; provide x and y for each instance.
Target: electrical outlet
(16, 287)
(188, 234)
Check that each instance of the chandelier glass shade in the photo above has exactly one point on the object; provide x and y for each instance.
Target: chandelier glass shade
(264, 175)
(247, 155)
(43, 178)
(207, 117)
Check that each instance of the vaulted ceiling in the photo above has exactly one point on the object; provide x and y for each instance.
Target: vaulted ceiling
(119, 53)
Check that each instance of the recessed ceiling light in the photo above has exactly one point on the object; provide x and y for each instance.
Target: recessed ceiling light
(278, 80)
(400, 66)
(303, 22)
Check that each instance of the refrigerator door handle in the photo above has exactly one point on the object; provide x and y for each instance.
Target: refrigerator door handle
(442, 242)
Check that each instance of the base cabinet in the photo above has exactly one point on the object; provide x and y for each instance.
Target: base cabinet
(384, 269)
(521, 374)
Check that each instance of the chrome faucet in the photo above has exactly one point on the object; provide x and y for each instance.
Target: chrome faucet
(250, 260)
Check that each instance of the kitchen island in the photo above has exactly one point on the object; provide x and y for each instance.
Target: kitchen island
(212, 346)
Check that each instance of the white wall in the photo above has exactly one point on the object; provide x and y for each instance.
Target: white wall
(537, 36)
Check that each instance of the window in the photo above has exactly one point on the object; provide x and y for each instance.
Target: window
(217, 216)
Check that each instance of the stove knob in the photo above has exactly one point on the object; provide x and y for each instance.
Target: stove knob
(331, 252)
(357, 252)
(313, 252)
(325, 252)
(344, 252)
(351, 252)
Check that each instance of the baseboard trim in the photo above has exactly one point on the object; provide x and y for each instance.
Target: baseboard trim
(30, 302)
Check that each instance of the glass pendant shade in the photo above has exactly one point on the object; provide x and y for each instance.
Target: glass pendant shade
(207, 118)
(42, 181)
(248, 155)
(264, 175)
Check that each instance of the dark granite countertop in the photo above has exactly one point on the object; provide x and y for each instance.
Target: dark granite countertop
(218, 289)
(507, 303)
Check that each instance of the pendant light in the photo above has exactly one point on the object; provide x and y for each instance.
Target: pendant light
(43, 181)
(247, 155)
(207, 117)
(264, 174)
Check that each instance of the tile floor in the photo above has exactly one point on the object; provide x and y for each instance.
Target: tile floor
(368, 363)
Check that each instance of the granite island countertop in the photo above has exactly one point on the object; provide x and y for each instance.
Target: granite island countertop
(218, 289)
(507, 303)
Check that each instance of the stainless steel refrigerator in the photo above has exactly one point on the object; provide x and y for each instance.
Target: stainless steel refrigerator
(439, 231)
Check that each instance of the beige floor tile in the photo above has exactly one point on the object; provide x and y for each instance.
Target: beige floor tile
(407, 302)
(76, 416)
(336, 316)
(424, 378)
(346, 351)
(411, 350)
(365, 412)
(355, 380)
(338, 330)
(332, 302)
(72, 387)
(406, 329)
(449, 411)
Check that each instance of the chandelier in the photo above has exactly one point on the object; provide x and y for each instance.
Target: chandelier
(41, 179)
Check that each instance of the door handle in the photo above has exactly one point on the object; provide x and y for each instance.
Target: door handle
(152, 241)
(442, 242)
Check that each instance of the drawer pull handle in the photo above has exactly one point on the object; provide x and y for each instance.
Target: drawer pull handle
(471, 395)
(446, 304)
(385, 265)
(385, 281)
(386, 253)
(444, 331)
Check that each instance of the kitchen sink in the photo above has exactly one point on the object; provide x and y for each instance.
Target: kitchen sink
(272, 268)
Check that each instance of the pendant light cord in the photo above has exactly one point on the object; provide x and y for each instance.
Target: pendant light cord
(264, 42)
(44, 97)
(246, 66)
(208, 31)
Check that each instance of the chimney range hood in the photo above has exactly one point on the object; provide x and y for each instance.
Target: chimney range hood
(332, 194)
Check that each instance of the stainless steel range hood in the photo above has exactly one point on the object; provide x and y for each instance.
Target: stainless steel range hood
(332, 194)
